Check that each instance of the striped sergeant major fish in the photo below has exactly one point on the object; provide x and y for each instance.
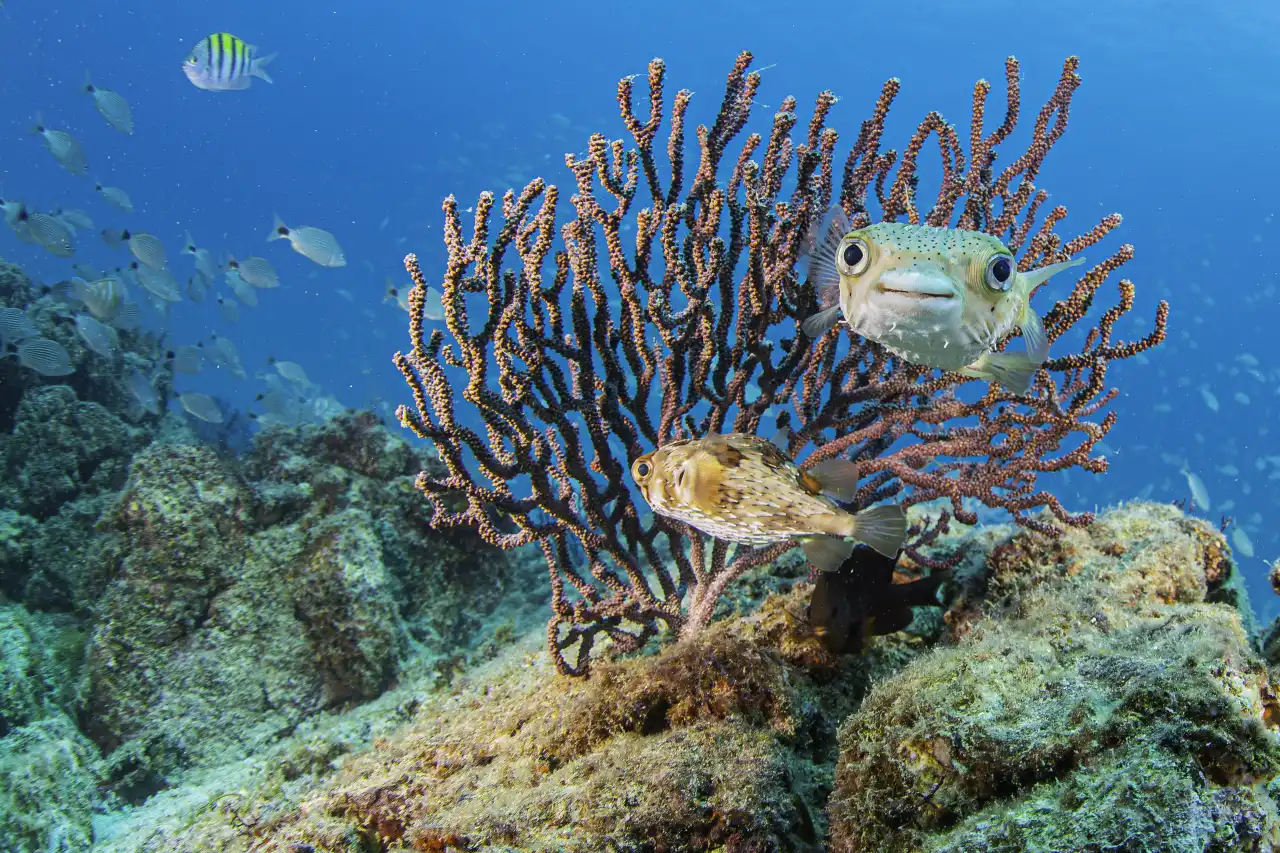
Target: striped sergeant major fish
(223, 63)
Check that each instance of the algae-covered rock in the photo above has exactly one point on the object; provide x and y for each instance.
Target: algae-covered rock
(1095, 700)
(239, 598)
(61, 448)
(725, 741)
(41, 658)
(48, 781)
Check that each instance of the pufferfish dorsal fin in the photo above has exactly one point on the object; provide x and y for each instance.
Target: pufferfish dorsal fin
(837, 478)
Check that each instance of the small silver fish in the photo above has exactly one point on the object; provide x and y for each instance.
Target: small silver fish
(159, 283)
(314, 244)
(258, 272)
(16, 326)
(291, 371)
(128, 318)
(64, 148)
(114, 108)
(74, 219)
(115, 197)
(201, 406)
(226, 355)
(188, 359)
(46, 357)
(97, 336)
(49, 233)
(143, 392)
(241, 289)
(197, 287)
(148, 249)
(228, 309)
(432, 309)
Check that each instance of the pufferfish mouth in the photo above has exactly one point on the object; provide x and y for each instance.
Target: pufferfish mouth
(917, 285)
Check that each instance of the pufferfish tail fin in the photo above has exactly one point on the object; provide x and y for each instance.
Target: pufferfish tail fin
(884, 528)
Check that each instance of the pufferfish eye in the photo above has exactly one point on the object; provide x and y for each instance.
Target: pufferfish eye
(642, 470)
(999, 274)
(854, 257)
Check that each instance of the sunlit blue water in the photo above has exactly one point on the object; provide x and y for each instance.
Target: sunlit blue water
(381, 109)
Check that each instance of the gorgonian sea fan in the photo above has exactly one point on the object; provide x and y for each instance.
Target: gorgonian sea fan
(665, 312)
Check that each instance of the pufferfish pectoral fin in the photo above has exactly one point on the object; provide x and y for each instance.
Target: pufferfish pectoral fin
(1034, 336)
(1013, 370)
(827, 553)
(821, 323)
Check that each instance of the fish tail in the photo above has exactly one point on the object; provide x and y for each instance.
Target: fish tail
(827, 553)
(258, 68)
(884, 528)
(279, 231)
(1012, 370)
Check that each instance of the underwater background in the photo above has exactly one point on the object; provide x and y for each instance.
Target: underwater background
(379, 110)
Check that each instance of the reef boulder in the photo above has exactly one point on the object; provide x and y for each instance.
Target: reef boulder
(1097, 698)
(242, 596)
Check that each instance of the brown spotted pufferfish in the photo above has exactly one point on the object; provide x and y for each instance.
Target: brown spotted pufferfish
(743, 488)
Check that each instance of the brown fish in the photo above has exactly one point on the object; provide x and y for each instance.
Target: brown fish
(742, 488)
(860, 600)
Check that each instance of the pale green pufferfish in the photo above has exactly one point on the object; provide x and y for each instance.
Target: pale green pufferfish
(942, 297)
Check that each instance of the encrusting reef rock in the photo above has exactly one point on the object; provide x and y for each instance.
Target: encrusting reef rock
(1096, 691)
(1099, 699)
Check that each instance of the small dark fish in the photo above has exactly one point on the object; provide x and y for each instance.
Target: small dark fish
(860, 600)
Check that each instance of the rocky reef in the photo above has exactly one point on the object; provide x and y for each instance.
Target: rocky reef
(272, 651)
(166, 606)
(1095, 691)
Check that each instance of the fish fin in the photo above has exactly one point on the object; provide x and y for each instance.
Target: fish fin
(1012, 370)
(884, 528)
(781, 438)
(38, 127)
(258, 67)
(1034, 336)
(836, 477)
(819, 249)
(827, 553)
(891, 622)
(275, 229)
(1035, 278)
(88, 83)
(821, 323)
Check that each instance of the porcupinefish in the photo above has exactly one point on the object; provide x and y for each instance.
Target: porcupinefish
(743, 488)
(942, 297)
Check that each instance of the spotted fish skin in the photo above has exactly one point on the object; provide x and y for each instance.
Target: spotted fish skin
(742, 488)
(739, 488)
(942, 297)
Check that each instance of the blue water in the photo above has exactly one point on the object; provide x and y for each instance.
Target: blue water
(380, 109)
